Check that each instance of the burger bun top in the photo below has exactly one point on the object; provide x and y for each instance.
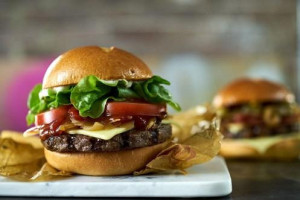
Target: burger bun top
(247, 90)
(105, 63)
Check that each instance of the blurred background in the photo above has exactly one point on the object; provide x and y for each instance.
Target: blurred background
(199, 45)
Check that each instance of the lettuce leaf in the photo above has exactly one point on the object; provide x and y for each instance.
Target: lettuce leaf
(34, 104)
(152, 91)
(53, 99)
(91, 94)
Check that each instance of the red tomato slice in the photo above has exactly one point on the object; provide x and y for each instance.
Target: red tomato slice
(74, 114)
(58, 115)
(119, 109)
(134, 108)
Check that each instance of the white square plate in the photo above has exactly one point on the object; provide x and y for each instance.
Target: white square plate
(207, 180)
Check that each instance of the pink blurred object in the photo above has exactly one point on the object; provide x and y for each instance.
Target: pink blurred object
(17, 92)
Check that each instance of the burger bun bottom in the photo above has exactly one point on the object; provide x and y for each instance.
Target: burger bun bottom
(104, 163)
(286, 149)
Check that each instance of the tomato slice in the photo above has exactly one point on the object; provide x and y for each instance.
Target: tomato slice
(113, 109)
(134, 109)
(57, 115)
(74, 114)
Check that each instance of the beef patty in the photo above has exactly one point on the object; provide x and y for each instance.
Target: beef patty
(159, 133)
(260, 130)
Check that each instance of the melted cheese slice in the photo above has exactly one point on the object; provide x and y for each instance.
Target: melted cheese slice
(262, 144)
(104, 134)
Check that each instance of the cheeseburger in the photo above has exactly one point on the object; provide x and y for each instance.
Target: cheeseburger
(99, 111)
(258, 117)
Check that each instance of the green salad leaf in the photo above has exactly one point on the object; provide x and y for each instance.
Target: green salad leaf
(33, 103)
(38, 103)
(91, 94)
(152, 91)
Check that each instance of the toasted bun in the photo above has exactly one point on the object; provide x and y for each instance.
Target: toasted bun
(237, 149)
(248, 90)
(105, 63)
(104, 164)
(283, 150)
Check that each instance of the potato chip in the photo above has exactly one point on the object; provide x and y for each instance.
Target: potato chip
(18, 137)
(196, 149)
(19, 160)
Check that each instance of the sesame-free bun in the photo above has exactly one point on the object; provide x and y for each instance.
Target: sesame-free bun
(285, 149)
(104, 163)
(105, 63)
(247, 90)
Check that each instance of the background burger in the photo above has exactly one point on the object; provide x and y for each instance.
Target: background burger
(99, 111)
(259, 118)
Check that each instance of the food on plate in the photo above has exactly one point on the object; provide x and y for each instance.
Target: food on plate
(100, 111)
(22, 159)
(259, 118)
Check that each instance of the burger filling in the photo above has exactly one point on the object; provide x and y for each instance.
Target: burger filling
(258, 120)
(100, 115)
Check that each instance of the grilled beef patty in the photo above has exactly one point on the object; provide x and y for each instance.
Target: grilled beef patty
(260, 130)
(159, 133)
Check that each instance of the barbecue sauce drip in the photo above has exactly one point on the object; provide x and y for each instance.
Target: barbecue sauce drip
(51, 129)
(140, 122)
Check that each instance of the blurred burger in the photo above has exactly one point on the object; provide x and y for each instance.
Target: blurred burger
(99, 111)
(259, 118)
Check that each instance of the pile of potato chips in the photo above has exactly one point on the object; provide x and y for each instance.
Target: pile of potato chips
(23, 159)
